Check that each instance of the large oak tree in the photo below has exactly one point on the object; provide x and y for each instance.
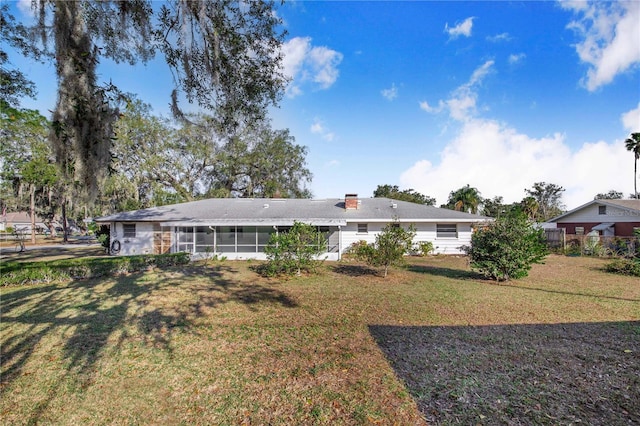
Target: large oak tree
(223, 56)
(160, 161)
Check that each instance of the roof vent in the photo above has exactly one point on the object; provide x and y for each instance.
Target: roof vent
(394, 205)
(265, 205)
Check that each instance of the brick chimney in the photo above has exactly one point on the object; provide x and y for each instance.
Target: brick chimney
(351, 201)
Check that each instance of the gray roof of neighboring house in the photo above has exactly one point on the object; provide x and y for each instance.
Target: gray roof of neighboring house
(20, 217)
(221, 211)
(627, 204)
(631, 205)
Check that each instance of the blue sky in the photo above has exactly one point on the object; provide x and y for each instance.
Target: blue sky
(435, 95)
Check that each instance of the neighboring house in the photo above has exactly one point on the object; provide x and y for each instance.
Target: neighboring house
(609, 218)
(240, 228)
(21, 222)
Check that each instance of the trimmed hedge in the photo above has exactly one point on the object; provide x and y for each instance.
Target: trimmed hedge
(26, 273)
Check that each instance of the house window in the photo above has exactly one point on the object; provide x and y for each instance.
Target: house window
(579, 230)
(362, 228)
(447, 230)
(602, 209)
(129, 230)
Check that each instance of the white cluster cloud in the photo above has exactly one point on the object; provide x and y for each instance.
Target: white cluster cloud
(499, 37)
(303, 63)
(318, 128)
(461, 29)
(611, 38)
(390, 93)
(462, 103)
(500, 161)
(631, 120)
(516, 58)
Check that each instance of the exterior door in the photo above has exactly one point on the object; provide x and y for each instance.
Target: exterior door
(161, 239)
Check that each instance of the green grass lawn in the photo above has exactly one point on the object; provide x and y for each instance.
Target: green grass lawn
(217, 344)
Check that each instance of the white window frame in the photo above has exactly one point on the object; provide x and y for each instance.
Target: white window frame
(447, 234)
(127, 229)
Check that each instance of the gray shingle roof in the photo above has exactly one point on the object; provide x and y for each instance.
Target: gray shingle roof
(631, 205)
(628, 204)
(285, 211)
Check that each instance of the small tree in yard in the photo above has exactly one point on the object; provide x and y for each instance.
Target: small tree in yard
(507, 248)
(389, 249)
(294, 251)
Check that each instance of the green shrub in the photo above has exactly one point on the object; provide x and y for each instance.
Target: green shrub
(629, 267)
(389, 249)
(102, 233)
(294, 251)
(360, 250)
(506, 248)
(424, 248)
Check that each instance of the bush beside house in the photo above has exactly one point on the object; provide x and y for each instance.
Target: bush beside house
(507, 248)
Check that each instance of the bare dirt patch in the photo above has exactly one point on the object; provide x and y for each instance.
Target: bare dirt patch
(519, 374)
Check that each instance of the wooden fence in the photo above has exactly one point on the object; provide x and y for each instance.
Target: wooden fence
(556, 238)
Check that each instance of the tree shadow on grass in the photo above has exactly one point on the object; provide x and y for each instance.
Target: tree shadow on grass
(461, 274)
(457, 274)
(568, 293)
(519, 374)
(90, 315)
(354, 270)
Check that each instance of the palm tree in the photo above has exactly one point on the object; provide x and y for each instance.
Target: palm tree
(466, 199)
(633, 144)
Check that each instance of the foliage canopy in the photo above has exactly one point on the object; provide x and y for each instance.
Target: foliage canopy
(224, 55)
(507, 247)
(393, 192)
(26, 166)
(548, 197)
(158, 162)
(466, 199)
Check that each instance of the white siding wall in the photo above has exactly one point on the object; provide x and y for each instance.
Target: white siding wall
(141, 244)
(143, 241)
(590, 215)
(424, 232)
(350, 234)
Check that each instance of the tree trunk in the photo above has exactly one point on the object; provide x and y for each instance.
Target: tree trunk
(32, 212)
(65, 237)
(635, 178)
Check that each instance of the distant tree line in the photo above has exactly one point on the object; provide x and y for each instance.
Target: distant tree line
(154, 161)
(542, 201)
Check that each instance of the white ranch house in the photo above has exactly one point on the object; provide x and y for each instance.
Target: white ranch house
(240, 228)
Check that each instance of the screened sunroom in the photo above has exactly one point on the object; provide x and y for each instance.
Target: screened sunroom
(236, 241)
